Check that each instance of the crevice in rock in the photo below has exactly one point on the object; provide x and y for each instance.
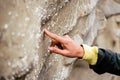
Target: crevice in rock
(107, 17)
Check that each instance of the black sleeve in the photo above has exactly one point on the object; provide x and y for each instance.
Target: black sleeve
(108, 61)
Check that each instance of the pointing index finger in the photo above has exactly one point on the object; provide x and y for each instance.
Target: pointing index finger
(54, 36)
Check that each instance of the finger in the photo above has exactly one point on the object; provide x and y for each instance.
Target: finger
(56, 43)
(57, 50)
(54, 36)
(53, 43)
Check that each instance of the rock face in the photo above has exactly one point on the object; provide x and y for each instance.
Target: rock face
(23, 45)
(113, 30)
(110, 7)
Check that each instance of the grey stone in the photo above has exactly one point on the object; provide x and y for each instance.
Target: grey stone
(24, 51)
(110, 35)
(109, 7)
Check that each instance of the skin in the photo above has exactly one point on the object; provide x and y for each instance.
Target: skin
(64, 46)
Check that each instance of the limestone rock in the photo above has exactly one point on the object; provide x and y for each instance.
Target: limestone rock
(109, 7)
(87, 28)
(19, 37)
(63, 23)
(24, 51)
(110, 35)
(20, 30)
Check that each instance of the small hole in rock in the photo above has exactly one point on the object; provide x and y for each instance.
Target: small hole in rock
(113, 43)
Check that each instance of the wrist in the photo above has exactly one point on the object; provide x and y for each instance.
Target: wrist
(81, 52)
(90, 54)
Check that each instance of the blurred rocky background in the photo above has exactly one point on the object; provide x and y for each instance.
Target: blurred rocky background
(24, 51)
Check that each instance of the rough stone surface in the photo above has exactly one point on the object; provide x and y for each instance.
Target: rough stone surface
(110, 7)
(18, 39)
(110, 35)
(24, 51)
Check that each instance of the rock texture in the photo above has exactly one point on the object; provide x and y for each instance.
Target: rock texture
(109, 7)
(24, 51)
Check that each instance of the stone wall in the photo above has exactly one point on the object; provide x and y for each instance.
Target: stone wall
(24, 51)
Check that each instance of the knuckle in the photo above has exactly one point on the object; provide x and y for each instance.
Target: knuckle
(55, 36)
(67, 41)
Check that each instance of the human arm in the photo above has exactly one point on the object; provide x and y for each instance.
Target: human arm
(100, 60)
(108, 61)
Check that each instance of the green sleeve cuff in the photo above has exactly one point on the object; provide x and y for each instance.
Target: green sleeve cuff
(90, 54)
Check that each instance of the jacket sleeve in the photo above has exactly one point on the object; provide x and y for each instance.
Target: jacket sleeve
(102, 60)
(107, 61)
